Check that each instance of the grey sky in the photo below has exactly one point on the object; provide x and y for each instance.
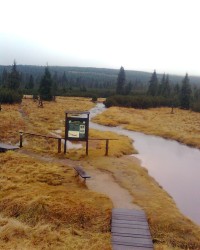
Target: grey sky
(138, 34)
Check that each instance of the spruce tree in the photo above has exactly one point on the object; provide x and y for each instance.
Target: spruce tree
(161, 85)
(30, 84)
(153, 86)
(185, 94)
(176, 89)
(4, 79)
(121, 79)
(128, 88)
(13, 78)
(55, 85)
(64, 80)
(166, 87)
(45, 89)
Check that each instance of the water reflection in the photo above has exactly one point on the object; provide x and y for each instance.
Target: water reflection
(175, 166)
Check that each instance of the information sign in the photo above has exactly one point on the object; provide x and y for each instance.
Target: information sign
(77, 128)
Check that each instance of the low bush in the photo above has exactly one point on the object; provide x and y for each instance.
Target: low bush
(140, 102)
(10, 96)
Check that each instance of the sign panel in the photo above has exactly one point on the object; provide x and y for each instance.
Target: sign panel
(77, 128)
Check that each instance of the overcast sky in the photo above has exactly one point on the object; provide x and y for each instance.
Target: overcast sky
(137, 34)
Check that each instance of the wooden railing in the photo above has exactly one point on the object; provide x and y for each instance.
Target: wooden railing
(60, 138)
(44, 136)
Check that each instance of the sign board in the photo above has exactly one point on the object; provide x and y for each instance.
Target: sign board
(77, 128)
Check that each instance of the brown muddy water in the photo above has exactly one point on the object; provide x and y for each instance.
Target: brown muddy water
(176, 167)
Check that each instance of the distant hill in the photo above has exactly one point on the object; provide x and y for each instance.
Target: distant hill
(96, 74)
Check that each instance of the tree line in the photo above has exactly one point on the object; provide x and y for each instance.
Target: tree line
(158, 93)
(48, 82)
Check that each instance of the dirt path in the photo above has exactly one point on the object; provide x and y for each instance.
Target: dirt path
(101, 181)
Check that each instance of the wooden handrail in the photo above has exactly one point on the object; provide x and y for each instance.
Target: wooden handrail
(45, 136)
(60, 138)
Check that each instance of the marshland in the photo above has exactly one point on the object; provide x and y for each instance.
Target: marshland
(43, 203)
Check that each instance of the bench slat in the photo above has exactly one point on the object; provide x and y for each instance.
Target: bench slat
(81, 172)
(4, 147)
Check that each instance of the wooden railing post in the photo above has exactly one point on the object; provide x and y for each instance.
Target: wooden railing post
(59, 145)
(21, 139)
(86, 150)
(107, 143)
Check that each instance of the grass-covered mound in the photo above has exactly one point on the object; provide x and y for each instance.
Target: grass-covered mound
(43, 206)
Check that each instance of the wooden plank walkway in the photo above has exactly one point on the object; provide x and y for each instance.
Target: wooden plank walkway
(4, 147)
(130, 230)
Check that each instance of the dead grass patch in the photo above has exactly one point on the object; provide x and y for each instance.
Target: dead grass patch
(47, 207)
(10, 123)
(183, 126)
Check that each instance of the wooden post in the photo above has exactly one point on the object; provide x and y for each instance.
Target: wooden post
(87, 147)
(107, 142)
(88, 117)
(172, 110)
(21, 139)
(59, 145)
(65, 145)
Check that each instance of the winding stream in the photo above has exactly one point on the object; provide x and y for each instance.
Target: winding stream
(175, 166)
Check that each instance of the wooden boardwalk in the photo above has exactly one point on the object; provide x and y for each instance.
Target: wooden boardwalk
(130, 230)
(4, 147)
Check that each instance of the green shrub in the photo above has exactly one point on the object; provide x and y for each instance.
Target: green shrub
(140, 101)
(10, 96)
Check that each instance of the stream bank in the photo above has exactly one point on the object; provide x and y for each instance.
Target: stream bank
(175, 166)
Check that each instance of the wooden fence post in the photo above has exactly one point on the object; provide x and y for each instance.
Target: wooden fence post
(59, 145)
(107, 142)
(21, 139)
(86, 150)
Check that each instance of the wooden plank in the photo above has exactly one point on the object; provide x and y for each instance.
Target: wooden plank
(130, 214)
(130, 241)
(130, 230)
(139, 226)
(129, 218)
(127, 211)
(119, 247)
(132, 222)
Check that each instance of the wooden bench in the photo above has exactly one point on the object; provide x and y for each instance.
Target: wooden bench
(4, 147)
(81, 172)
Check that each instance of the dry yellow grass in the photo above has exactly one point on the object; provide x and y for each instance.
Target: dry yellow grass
(44, 206)
(10, 123)
(29, 118)
(30, 189)
(52, 116)
(183, 126)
